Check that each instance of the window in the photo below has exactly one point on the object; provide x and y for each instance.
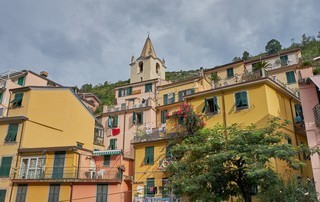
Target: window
(150, 188)
(102, 193)
(2, 195)
(124, 92)
(12, 133)
(113, 144)
(289, 140)
(168, 98)
(290, 77)
(157, 68)
(241, 100)
(31, 168)
(284, 60)
(185, 92)
(137, 118)
(17, 101)
(140, 67)
(113, 121)
(211, 105)
(1, 95)
(230, 72)
(163, 116)
(149, 155)
(98, 136)
(5, 166)
(148, 87)
(255, 66)
(106, 160)
(21, 81)
(79, 145)
(54, 193)
(21, 193)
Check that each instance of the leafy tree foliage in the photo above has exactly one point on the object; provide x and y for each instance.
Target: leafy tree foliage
(245, 55)
(214, 164)
(294, 189)
(273, 46)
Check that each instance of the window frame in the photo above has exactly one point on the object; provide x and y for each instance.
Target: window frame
(17, 100)
(148, 87)
(21, 81)
(182, 93)
(106, 160)
(230, 70)
(284, 60)
(150, 182)
(164, 116)
(290, 75)
(137, 116)
(113, 121)
(29, 171)
(113, 143)
(247, 100)
(102, 193)
(21, 193)
(207, 106)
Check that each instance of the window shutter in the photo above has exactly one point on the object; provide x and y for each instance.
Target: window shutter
(141, 117)
(21, 81)
(12, 132)
(1, 94)
(204, 110)
(244, 98)
(151, 155)
(180, 95)
(163, 116)
(130, 91)
(119, 92)
(165, 99)
(215, 104)
(2, 194)
(173, 97)
(5, 166)
(134, 117)
(115, 121)
(238, 99)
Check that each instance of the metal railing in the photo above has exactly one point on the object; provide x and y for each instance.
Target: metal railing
(71, 172)
(115, 108)
(153, 135)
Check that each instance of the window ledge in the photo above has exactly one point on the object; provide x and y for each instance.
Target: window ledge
(10, 142)
(241, 108)
(211, 113)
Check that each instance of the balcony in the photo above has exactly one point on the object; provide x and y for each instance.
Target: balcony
(316, 113)
(153, 135)
(116, 108)
(67, 174)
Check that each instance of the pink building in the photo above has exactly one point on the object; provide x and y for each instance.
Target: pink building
(310, 100)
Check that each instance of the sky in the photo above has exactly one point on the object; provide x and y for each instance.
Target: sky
(92, 41)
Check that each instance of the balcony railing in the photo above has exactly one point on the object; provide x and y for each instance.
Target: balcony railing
(153, 135)
(316, 112)
(72, 173)
(115, 108)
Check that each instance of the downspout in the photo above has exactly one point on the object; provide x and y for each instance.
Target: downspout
(14, 175)
(224, 113)
(71, 192)
(295, 132)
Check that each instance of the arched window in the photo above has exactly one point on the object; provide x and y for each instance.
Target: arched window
(157, 68)
(140, 66)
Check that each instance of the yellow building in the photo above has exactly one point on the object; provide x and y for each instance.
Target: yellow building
(54, 134)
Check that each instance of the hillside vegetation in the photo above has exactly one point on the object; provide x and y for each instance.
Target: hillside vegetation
(310, 47)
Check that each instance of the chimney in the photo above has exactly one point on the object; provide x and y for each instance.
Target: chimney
(44, 73)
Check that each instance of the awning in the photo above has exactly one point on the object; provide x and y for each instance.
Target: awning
(106, 152)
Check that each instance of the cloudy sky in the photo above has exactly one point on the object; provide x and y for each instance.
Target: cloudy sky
(92, 41)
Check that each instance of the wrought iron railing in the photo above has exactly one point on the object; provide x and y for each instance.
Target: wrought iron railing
(316, 112)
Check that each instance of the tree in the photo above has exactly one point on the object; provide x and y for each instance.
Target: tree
(245, 55)
(220, 162)
(235, 59)
(273, 46)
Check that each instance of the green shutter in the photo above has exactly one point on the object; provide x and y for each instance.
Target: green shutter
(129, 91)
(21, 81)
(113, 144)
(215, 104)
(5, 166)
(173, 97)
(115, 121)
(150, 189)
(1, 94)
(168, 151)
(238, 99)
(148, 87)
(244, 98)
(119, 93)
(2, 195)
(134, 117)
(204, 110)
(180, 95)
(141, 117)
(165, 99)
(163, 116)
(12, 133)
(290, 77)
(149, 155)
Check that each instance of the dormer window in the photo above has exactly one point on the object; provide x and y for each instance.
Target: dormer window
(140, 67)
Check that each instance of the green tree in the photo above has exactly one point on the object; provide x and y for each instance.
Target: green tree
(273, 46)
(220, 162)
(245, 55)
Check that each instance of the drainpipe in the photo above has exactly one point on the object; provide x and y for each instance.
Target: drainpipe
(71, 192)
(295, 132)
(224, 113)
(124, 129)
(17, 160)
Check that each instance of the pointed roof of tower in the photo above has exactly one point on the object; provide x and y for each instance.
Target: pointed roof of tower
(148, 49)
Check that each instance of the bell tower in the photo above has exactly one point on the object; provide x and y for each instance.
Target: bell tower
(147, 66)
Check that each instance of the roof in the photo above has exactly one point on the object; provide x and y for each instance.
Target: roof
(43, 77)
(47, 149)
(316, 80)
(272, 55)
(222, 66)
(188, 80)
(148, 49)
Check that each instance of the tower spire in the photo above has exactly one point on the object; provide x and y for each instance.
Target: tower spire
(148, 49)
